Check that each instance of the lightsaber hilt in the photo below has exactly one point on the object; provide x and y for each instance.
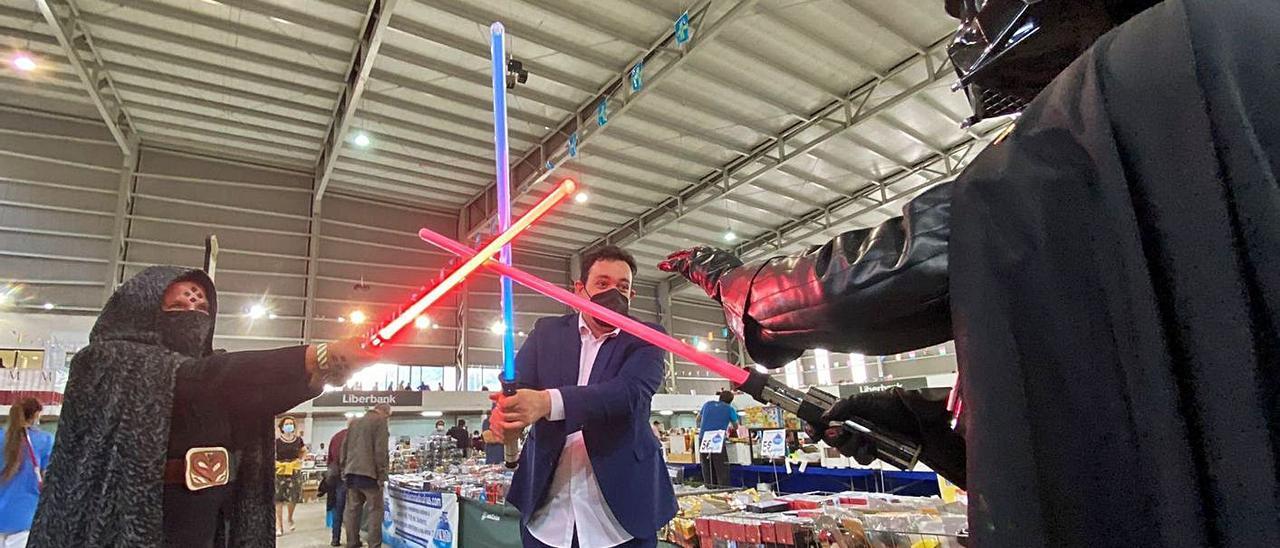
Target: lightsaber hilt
(812, 405)
(510, 444)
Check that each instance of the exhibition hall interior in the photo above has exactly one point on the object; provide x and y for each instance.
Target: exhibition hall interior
(679, 273)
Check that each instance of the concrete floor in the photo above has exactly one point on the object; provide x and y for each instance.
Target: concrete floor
(311, 532)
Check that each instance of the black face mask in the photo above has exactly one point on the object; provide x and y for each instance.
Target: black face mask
(185, 332)
(613, 299)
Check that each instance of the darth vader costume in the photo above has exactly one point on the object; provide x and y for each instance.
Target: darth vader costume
(1110, 272)
(162, 441)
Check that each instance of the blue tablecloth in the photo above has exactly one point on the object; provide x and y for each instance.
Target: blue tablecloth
(816, 478)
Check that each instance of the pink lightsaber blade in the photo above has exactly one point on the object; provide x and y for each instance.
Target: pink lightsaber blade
(384, 334)
(733, 373)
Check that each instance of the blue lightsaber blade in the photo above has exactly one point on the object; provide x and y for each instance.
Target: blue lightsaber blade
(502, 164)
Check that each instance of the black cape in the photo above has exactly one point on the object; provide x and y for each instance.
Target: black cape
(1112, 270)
(1115, 286)
(104, 484)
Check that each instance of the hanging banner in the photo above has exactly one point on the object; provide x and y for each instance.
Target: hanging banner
(637, 76)
(682, 29)
(347, 398)
(602, 113)
(418, 519)
(909, 383)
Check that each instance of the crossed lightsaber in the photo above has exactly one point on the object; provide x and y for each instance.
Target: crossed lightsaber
(485, 257)
(809, 406)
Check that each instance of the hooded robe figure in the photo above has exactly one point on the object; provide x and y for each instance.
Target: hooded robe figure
(1110, 273)
(147, 390)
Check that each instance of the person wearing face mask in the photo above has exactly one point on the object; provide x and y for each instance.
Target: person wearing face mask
(289, 454)
(591, 473)
(161, 440)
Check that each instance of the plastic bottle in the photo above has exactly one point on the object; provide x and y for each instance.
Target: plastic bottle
(444, 533)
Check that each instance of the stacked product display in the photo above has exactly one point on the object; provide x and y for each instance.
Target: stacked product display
(747, 519)
(483, 482)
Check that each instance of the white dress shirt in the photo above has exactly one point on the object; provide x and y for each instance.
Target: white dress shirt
(574, 501)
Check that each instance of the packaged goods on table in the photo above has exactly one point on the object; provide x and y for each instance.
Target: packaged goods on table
(824, 520)
(699, 501)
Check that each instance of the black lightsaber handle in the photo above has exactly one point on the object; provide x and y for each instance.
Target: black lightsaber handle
(511, 444)
(812, 405)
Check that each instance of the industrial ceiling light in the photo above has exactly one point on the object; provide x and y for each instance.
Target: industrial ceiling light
(23, 62)
(730, 236)
(422, 322)
(581, 197)
(257, 312)
(497, 327)
(48, 306)
(361, 140)
(666, 412)
(358, 317)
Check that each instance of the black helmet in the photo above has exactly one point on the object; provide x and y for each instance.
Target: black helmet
(1006, 51)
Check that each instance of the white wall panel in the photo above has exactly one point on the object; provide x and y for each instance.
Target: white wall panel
(179, 198)
(377, 243)
(58, 181)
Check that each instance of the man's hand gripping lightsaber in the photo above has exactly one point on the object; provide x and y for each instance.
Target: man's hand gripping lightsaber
(808, 406)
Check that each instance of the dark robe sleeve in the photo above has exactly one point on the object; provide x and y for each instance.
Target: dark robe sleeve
(260, 382)
(875, 291)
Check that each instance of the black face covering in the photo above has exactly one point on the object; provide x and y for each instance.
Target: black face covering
(185, 332)
(613, 299)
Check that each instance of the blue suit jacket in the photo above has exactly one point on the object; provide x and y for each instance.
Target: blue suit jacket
(612, 411)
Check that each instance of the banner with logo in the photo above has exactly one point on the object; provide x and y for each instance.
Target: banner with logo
(348, 398)
(418, 519)
(907, 383)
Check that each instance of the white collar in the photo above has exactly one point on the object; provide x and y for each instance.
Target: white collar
(583, 329)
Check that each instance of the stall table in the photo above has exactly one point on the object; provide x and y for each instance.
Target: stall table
(816, 478)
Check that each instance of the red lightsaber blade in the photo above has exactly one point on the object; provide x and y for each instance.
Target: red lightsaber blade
(733, 373)
(384, 334)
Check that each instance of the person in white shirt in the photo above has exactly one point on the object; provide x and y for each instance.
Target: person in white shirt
(591, 473)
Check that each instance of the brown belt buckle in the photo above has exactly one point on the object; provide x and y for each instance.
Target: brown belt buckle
(207, 467)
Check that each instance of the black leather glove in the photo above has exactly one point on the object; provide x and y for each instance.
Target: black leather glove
(702, 265)
(919, 416)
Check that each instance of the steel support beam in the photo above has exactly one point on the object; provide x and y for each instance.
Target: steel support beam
(313, 273)
(660, 60)
(74, 38)
(124, 203)
(665, 319)
(372, 33)
(851, 111)
(814, 222)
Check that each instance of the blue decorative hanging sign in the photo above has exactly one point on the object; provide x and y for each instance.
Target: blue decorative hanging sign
(682, 29)
(602, 113)
(573, 144)
(637, 76)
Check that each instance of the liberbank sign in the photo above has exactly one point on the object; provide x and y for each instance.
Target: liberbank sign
(398, 398)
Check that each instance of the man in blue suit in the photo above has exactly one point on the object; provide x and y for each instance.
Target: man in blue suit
(591, 474)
